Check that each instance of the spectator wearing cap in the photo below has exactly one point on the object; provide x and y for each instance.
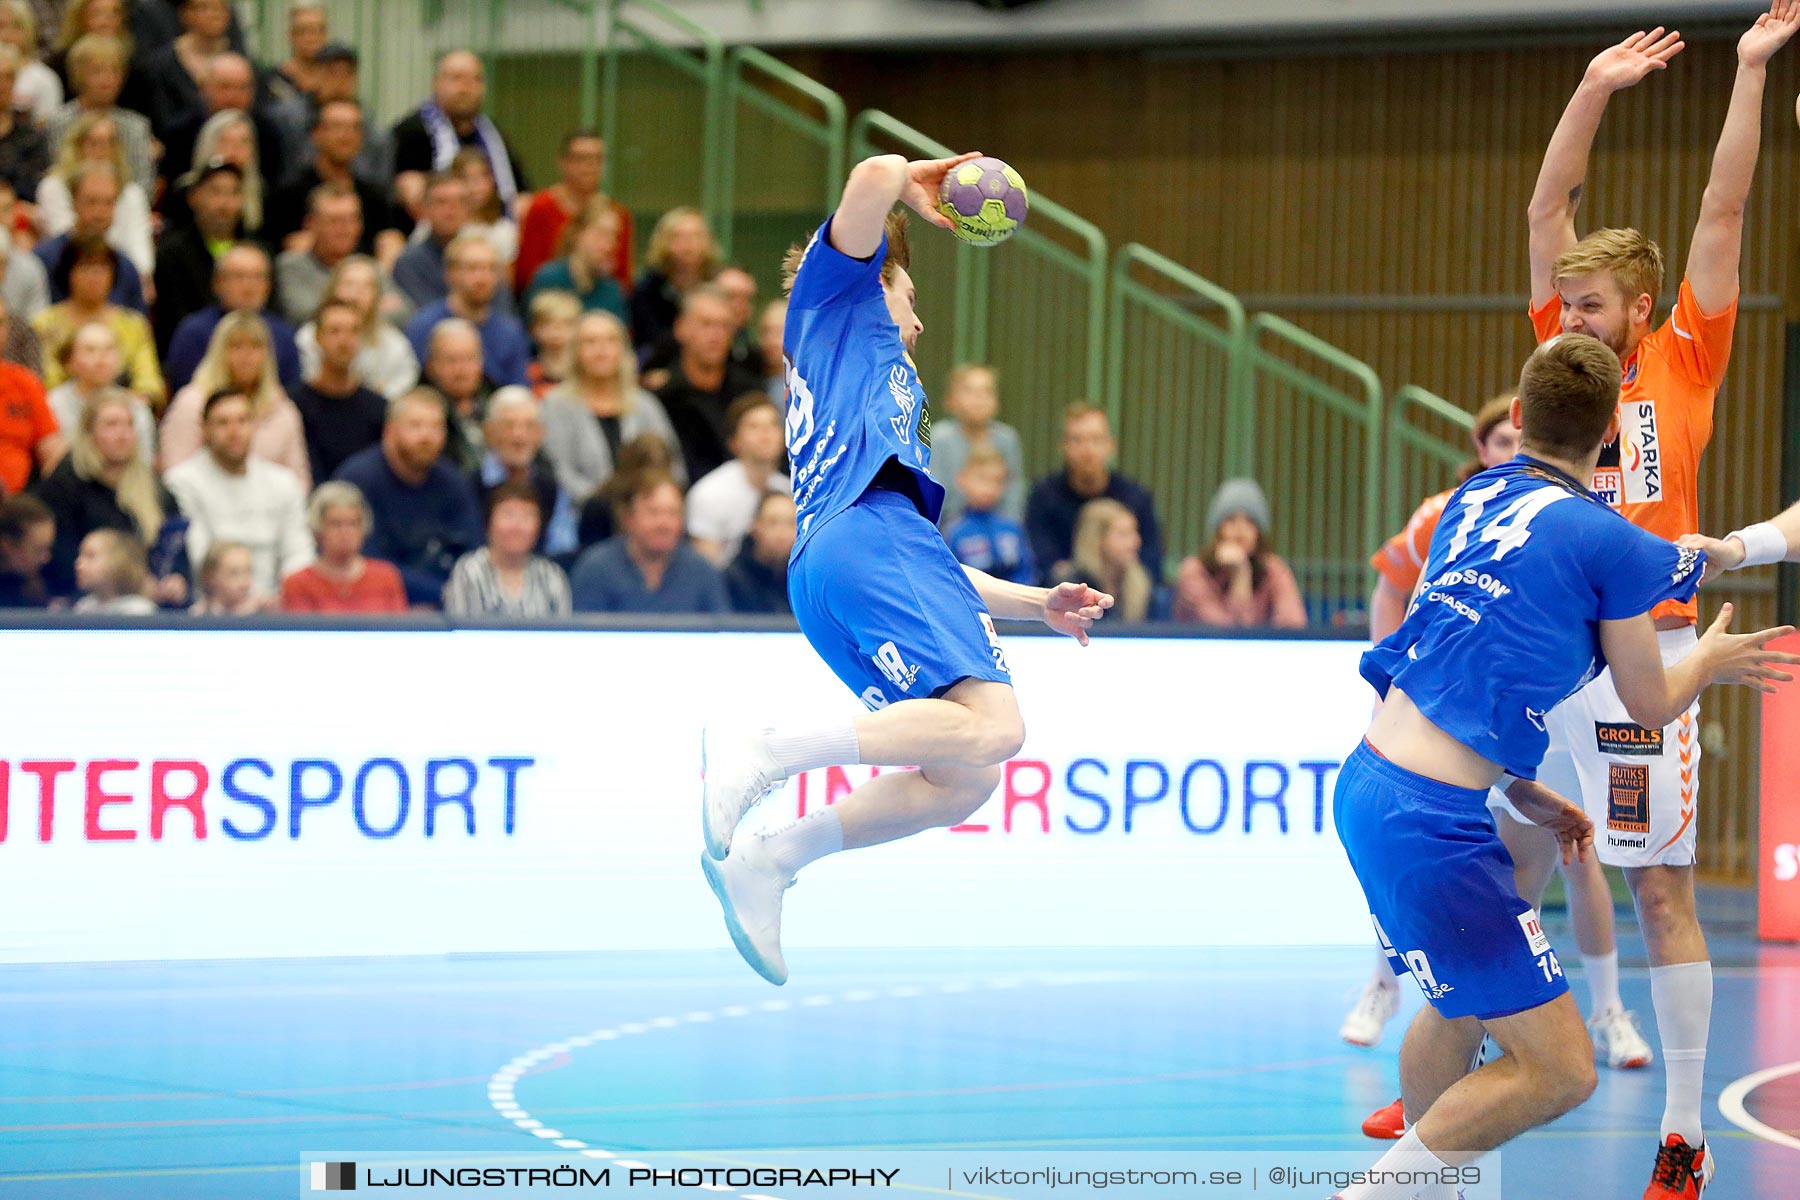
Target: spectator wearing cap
(514, 454)
(31, 442)
(472, 270)
(334, 227)
(100, 65)
(187, 259)
(341, 416)
(241, 284)
(425, 512)
(504, 578)
(337, 141)
(756, 580)
(1238, 579)
(704, 380)
(95, 138)
(580, 168)
(94, 194)
(648, 568)
(27, 535)
(335, 77)
(106, 481)
(1055, 503)
(721, 506)
(24, 152)
(25, 288)
(230, 86)
(85, 273)
(239, 359)
(231, 494)
(227, 137)
(38, 91)
(341, 580)
(427, 140)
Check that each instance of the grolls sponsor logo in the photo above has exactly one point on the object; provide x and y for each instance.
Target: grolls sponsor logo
(1628, 741)
(249, 799)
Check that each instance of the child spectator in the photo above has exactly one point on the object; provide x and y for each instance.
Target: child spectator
(110, 571)
(722, 504)
(1238, 580)
(504, 578)
(983, 537)
(757, 578)
(972, 398)
(584, 262)
(341, 580)
(228, 583)
(552, 327)
(1107, 556)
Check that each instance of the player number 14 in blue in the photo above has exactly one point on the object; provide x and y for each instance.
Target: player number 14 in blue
(1549, 966)
(1512, 528)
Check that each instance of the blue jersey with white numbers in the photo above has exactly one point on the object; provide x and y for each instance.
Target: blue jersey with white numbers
(854, 397)
(1524, 566)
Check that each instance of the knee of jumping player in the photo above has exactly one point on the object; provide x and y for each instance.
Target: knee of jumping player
(962, 790)
(996, 729)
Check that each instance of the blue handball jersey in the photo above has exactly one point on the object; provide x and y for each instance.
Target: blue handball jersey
(1524, 566)
(854, 397)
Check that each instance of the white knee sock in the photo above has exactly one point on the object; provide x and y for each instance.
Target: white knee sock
(1602, 972)
(810, 838)
(797, 750)
(1408, 1155)
(1683, 997)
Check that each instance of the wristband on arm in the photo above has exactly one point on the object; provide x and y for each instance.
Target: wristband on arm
(1763, 544)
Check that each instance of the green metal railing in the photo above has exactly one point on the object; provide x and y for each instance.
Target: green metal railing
(1174, 356)
(1427, 442)
(1315, 446)
(663, 113)
(784, 159)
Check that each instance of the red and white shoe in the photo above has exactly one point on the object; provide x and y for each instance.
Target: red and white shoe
(1388, 1124)
(1617, 1041)
(1681, 1171)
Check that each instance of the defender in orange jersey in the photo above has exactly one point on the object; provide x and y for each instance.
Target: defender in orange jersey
(1641, 786)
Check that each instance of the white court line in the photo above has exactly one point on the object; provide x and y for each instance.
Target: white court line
(1731, 1103)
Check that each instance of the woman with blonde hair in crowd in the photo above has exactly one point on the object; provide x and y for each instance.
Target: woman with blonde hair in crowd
(101, 18)
(228, 136)
(94, 137)
(585, 255)
(85, 272)
(341, 580)
(682, 255)
(386, 362)
(37, 90)
(111, 574)
(105, 482)
(240, 357)
(1105, 554)
(1238, 580)
(599, 409)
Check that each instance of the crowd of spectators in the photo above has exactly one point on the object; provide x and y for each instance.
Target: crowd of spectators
(259, 353)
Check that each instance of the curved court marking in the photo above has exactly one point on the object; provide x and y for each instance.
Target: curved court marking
(505, 1102)
(1731, 1103)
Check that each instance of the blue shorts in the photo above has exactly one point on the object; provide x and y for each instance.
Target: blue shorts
(887, 606)
(1440, 888)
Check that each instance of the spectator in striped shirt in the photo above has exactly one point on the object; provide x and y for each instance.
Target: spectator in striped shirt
(504, 578)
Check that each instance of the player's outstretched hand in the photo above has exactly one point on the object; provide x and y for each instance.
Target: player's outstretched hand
(1072, 608)
(1550, 811)
(1770, 33)
(1721, 556)
(1743, 658)
(1618, 67)
(924, 179)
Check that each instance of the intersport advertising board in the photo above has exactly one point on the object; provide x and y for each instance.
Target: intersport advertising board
(207, 794)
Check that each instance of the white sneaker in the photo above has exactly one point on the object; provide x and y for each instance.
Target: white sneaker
(735, 775)
(1617, 1040)
(749, 886)
(1374, 1009)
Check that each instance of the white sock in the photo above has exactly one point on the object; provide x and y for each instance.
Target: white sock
(1683, 996)
(1409, 1155)
(1602, 972)
(809, 839)
(1384, 970)
(797, 750)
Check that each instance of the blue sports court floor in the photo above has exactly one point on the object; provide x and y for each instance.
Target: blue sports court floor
(210, 1080)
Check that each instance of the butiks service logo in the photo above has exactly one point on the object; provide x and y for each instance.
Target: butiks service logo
(333, 1177)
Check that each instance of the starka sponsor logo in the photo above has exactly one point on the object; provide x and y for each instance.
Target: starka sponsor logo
(1642, 455)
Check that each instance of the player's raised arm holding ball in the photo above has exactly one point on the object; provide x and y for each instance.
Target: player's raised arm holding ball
(874, 587)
